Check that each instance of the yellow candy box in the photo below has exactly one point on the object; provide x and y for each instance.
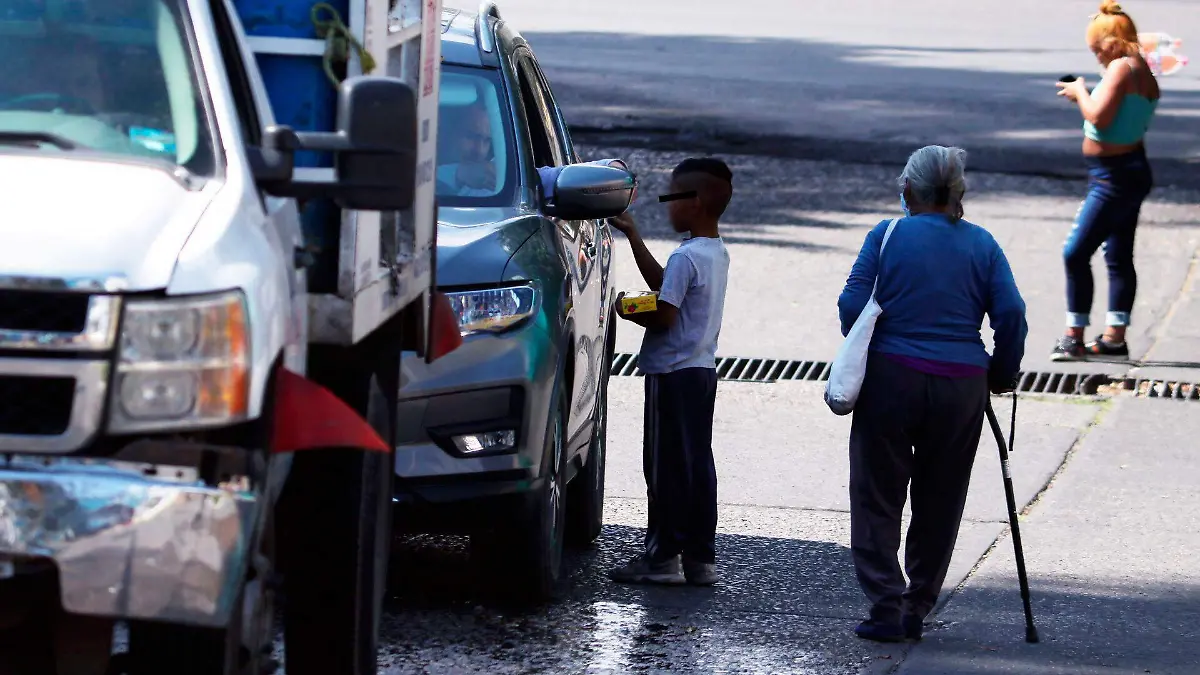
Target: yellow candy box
(637, 302)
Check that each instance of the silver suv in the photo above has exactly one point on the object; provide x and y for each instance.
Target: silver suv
(504, 438)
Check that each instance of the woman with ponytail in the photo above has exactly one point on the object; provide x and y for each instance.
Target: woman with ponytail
(1116, 114)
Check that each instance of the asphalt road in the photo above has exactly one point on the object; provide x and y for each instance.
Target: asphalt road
(850, 80)
(789, 600)
(814, 104)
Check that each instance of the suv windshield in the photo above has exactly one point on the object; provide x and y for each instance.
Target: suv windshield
(476, 160)
(112, 76)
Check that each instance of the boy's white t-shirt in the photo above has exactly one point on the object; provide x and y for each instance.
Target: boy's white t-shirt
(694, 280)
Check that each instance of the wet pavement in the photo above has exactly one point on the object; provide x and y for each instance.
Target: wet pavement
(780, 608)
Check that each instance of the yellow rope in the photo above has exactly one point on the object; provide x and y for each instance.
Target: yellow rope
(338, 42)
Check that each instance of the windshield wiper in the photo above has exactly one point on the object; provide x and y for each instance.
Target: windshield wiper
(28, 137)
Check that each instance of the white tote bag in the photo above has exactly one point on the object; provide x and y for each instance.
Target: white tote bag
(850, 366)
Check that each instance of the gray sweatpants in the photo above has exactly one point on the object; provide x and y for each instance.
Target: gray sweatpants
(908, 425)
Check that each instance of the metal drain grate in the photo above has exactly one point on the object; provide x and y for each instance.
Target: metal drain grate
(1070, 384)
(737, 369)
(740, 369)
(1179, 391)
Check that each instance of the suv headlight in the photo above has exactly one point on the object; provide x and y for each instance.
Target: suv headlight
(493, 310)
(183, 362)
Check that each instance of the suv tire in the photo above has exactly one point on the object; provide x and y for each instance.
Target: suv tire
(522, 562)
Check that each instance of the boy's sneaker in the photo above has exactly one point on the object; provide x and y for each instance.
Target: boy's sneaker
(700, 574)
(1068, 348)
(642, 570)
(1101, 349)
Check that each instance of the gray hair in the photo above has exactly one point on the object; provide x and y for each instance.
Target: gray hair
(934, 175)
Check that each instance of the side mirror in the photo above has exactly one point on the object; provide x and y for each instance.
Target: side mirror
(375, 149)
(591, 191)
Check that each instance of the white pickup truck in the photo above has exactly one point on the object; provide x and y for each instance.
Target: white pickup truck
(216, 240)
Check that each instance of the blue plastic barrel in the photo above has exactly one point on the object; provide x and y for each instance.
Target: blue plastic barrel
(303, 98)
(301, 94)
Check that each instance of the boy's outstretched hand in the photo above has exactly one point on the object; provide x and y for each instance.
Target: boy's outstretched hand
(624, 224)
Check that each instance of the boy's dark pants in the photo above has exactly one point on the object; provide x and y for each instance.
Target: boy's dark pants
(677, 458)
(910, 426)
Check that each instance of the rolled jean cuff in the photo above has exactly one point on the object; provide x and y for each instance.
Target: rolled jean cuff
(1075, 320)
(1116, 319)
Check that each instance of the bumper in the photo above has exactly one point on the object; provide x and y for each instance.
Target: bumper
(489, 383)
(126, 544)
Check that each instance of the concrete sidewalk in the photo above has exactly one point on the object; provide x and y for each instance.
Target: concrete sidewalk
(1111, 551)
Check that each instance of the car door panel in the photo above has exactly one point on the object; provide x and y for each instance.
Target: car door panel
(589, 338)
(548, 151)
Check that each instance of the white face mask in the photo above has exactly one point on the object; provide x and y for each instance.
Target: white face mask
(904, 205)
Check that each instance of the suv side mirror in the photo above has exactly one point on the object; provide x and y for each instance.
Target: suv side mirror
(591, 191)
(375, 149)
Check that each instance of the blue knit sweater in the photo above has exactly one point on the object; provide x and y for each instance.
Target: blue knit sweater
(938, 280)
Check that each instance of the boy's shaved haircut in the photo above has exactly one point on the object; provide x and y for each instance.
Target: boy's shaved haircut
(712, 180)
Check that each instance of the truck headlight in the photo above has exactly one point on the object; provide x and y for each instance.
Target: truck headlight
(493, 310)
(183, 362)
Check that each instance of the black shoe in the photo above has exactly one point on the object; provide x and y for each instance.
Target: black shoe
(1103, 350)
(700, 574)
(912, 627)
(642, 570)
(1068, 348)
(879, 631)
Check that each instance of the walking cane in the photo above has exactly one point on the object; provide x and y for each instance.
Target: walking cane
(1030, 631)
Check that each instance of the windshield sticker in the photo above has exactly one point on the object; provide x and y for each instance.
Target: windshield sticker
(153, 139)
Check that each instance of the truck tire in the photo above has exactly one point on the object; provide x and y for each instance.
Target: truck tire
(523, 561)
(187, 650)
(57, 643)
(585, 494)
(337, 505)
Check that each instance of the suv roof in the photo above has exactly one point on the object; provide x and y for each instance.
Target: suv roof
(461, 36)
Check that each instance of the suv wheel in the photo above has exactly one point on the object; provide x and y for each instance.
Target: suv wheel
(523, 561)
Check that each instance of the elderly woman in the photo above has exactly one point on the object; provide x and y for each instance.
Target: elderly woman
(920, 412)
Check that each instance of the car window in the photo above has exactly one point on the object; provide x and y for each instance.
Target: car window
(546, 149)
(114, 77)
(475, 153)
(559, 125)
(239, 80)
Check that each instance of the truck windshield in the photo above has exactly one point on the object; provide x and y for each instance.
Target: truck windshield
(111, 76)
(476, 159)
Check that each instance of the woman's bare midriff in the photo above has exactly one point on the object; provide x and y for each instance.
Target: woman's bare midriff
(1097, 149)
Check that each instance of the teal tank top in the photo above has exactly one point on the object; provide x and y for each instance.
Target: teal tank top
(1130, 123)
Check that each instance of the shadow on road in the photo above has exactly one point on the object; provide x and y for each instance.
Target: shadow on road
(759, 574)
(777, 604)
(856, 103)
(1088, 627)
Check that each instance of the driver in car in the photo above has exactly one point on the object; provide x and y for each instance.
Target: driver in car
(474, 174)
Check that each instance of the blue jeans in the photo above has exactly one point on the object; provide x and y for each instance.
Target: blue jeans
(1117, 186)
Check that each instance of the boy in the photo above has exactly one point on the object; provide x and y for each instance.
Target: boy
(679, 358)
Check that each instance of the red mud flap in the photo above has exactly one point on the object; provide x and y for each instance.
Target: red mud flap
(444, 332)
(309, 416)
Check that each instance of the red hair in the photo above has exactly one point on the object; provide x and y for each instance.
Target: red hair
(1111, 25)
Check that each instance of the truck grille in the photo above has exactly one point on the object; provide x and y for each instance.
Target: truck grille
(42, 311)
(35, 406)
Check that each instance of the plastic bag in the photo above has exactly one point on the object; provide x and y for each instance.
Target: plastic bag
(1162, 54)
(850, 365)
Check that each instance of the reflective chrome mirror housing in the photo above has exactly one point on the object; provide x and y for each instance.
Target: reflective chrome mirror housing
(591, 191)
